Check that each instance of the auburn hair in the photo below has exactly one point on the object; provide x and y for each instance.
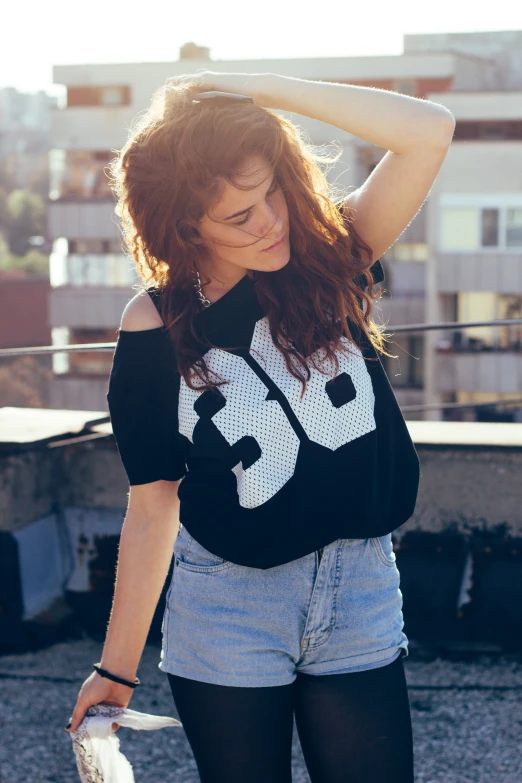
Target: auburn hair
(170, 172)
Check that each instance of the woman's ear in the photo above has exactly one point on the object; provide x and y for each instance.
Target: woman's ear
(191, 234)
(197, 239)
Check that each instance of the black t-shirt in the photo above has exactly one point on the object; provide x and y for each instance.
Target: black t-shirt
(267, 477)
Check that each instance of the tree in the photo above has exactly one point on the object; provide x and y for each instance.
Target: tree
(3, 210)
(25, 218)
(33, 263)
(7, 177)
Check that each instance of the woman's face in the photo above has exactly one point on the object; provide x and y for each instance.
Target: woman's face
(240, 227)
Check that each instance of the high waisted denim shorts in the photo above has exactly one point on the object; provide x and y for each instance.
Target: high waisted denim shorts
(336, 610)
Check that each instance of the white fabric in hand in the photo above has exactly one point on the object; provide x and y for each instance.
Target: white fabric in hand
(97, 748)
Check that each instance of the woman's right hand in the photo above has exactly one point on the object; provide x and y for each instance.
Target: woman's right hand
(99, 690)
(254, 84)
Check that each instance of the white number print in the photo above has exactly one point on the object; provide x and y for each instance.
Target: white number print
(331, 412)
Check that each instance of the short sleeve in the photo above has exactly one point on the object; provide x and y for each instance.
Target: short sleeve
(377, 273)
(142, 397)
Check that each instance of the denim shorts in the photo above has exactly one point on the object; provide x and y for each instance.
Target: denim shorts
(336, 610)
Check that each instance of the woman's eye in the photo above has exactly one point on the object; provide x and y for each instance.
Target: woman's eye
(247, 216)
(240, 223)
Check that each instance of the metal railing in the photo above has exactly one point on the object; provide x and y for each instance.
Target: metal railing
(453, 325)
(448, 325)
(402, 328)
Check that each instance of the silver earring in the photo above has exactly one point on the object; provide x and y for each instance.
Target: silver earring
(197, 285)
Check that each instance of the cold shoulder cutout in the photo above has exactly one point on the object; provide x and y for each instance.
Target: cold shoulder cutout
(142, 400)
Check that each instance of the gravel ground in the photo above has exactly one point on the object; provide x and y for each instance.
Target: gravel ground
(467, 718)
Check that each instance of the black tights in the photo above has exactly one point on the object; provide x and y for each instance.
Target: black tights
(353, 728)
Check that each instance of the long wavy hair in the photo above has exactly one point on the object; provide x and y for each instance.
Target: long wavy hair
(171, 171)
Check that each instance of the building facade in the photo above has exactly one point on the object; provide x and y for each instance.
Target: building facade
(460, 258)
(25, 126)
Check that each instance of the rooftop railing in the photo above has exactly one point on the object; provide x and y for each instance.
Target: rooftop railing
(402, 328)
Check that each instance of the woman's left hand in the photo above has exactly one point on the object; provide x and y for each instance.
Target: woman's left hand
(254, 84)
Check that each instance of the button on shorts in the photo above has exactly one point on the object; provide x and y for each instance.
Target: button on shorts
(336, 610)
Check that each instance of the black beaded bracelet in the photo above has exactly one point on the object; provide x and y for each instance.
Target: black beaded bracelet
(105, 673)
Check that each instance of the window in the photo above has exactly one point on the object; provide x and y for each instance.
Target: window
(405, 86)
(514, 228)
(459, 229)
(486, 306)
(498, 413)
(80, 246)
(407, 370)
(60, 335)
(57, 166)
(490, 227)
(410, 251)
(415, 368)
(492, 132)
(99, 95)
(88, 264)
(470, 228)
(112, 96)
(101, 270)
(79, 174)
(488, 130)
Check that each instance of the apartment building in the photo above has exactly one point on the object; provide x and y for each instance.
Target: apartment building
(25, 124)
(474, 268)
(477, 76)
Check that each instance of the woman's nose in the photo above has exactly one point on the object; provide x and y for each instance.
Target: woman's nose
(272, 222)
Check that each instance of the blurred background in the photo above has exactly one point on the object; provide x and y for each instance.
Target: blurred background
(65, 280)
(71, 82)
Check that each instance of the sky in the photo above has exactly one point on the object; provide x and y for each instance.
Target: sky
(38, 34)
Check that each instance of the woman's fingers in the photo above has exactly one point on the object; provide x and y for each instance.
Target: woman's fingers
(196, 81)
(75, 722)
(98, 690)
(209, 81)
(78, 715)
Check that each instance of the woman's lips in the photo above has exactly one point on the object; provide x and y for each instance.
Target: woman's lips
(277, 245)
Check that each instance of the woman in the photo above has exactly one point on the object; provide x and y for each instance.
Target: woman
(249, 404)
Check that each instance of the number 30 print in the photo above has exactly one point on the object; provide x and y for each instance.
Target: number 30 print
(255, 425)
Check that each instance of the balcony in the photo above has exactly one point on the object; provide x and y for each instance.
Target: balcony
(94, 307)
(82, 220)
(398, 310)
(490, 372)
(90, 269)
(405, 278)
(481, 104)
(90, 127)
(481, 271)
